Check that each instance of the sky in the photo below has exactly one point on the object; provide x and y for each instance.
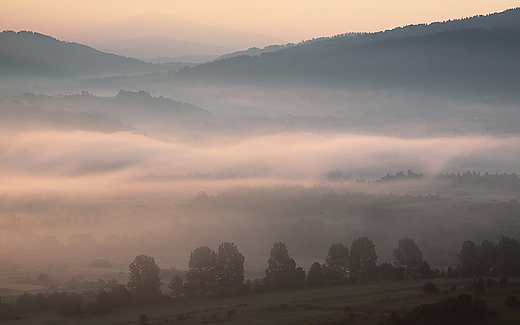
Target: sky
(289, 20)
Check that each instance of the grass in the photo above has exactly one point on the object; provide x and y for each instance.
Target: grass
(349, 304)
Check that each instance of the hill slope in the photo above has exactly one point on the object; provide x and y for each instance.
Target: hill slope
(472, 59)
(34, 54)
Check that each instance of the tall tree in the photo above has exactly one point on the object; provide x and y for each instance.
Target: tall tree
(337, 263)
(363, 259)
(144, 278)
(176, 287)
(408, 256)
(281, 268)
(202, 270)
(488, 258)
(469, 259)
(509, 257)
(316, 276)
(230, 268)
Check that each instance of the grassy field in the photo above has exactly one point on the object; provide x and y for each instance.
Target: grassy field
(350, 304)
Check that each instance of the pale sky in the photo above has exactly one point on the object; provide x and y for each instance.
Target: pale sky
(289, 20)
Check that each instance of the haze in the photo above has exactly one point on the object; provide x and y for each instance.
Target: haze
(410, 132)
(290, 21)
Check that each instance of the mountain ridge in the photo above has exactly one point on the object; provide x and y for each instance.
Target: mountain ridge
(35, 54)
(155, 24)
(477, 60)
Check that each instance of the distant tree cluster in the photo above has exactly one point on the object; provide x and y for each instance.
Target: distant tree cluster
(460, 310)
(504, 179)
(210, 272)
(490, 259)
(68, 303)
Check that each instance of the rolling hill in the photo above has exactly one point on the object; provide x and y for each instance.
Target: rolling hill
(474, 54)
(33, 54)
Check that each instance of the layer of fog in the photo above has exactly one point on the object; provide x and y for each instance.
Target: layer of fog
(87, 177)
(291, 156)
(75, 196)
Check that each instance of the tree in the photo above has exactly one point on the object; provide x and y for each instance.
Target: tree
(488, 258)
(509, 257)
(424, 270)
(363, 259)
(336, 263)
(408, 256)
(144, 278)
(281, 268)
(316, 276)
(468, 259)
(230, 268)
(202, 270)
(299, 277)
(176, 287)
(389, 272)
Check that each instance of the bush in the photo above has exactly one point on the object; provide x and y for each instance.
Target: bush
(143, 319)
(430, 288)
(450, 310)
(479, 287)
(511, 301)
(230, 313)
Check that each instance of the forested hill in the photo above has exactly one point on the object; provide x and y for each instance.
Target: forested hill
(33, 54)
(472, 59)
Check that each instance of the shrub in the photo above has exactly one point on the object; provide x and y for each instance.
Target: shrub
(430, 288)
(511, 301)
(143, 319)
(479, 287)
(230, 313)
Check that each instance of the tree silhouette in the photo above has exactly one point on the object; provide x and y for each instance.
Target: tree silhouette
(281, 268)
(202, 270)
(363, 259)
(230, 268)
(144, 279)
(469, 259)
(407, 256)
(316, 276)
(337, 263)
(509, 257)
(176, 287)
(488, 258)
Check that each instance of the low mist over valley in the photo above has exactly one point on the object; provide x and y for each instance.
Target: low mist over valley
(412, 132)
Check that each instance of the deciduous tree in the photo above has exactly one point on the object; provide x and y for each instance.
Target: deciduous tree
(408, 256)
(363, 259)
(337, 263)
(144, 278)
(230, 268)
(202, 270)
(281, 268)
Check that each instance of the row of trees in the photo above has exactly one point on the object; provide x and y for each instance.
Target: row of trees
(222, 272)
(490, 259)
(359, 264)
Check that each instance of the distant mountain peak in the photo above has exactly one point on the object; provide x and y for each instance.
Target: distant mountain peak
(157, 24)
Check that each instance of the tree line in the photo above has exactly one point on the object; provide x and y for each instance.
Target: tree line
(221, 273)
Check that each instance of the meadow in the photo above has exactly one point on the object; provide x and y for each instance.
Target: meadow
(367, 303)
